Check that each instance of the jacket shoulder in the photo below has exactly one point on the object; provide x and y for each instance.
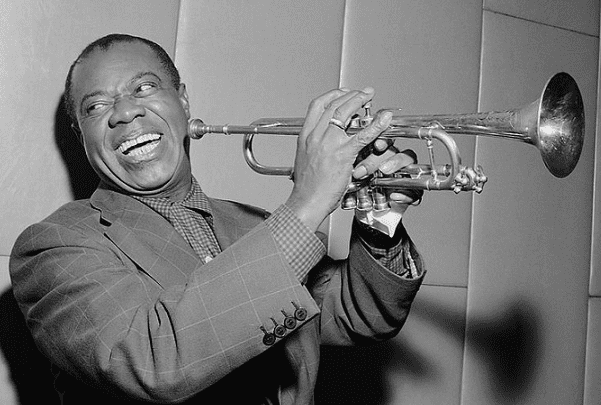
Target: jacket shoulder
(75, 216)
(72, 213)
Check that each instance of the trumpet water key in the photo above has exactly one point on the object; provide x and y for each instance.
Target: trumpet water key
(554, 123)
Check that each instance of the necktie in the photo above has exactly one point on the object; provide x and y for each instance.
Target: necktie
(191, 218)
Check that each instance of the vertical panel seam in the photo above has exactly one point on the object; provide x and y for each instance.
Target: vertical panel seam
(595, 209)
(472, 216)
(177, 25)
(340, 58)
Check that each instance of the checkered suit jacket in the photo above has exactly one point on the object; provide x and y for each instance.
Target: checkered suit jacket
(116, 297)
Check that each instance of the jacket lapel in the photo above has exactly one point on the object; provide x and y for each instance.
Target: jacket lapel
(145, 237)
(151, 242)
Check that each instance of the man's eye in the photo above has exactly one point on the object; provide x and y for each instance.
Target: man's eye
(95, 108)
(146, 88)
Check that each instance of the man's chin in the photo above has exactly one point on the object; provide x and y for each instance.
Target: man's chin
(138, 186)
(150, 180)
(173, 187)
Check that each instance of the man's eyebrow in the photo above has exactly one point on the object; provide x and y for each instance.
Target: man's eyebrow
(138, 76)
(141, 75)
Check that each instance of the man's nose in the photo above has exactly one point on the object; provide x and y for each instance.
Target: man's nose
(125, 110)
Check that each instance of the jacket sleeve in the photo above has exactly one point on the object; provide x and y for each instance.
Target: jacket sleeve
(361, 300)
(97, 314)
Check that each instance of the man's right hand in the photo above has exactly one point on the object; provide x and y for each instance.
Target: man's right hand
(325, 154)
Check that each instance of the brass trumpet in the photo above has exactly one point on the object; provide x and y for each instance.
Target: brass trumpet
(554, 123)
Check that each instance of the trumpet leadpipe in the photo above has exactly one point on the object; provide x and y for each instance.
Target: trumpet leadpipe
(197, 128)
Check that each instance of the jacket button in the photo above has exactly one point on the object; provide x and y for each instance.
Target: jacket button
(300, 313)
(289, 321)
(268, 338)
(278, 330)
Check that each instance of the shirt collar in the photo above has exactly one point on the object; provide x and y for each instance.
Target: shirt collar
(196, 199)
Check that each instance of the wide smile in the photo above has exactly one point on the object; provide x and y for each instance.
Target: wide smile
(140, 146)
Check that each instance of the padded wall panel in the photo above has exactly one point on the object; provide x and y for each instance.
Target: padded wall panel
(592, 394)
(531, 231)
(422, 57)
(243, 61)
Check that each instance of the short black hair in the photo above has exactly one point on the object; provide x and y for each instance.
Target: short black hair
(104, 44)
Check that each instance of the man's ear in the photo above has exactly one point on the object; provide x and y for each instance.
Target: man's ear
(183, 97)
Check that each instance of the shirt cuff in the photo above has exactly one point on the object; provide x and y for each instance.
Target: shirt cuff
(301, 247)
(396, 253)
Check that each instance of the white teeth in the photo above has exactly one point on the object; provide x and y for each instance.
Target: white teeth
(143, 149)
(127, 145)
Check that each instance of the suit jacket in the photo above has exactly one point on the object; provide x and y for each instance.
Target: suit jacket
(118, 300)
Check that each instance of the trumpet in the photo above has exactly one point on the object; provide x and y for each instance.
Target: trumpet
(554, 123)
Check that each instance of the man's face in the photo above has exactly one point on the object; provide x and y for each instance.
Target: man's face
(133, 120)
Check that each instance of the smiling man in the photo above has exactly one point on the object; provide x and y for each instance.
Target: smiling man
(134, 119)
(150, 291)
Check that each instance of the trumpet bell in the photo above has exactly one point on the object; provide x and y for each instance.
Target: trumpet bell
(560, 127)
(554, 123)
